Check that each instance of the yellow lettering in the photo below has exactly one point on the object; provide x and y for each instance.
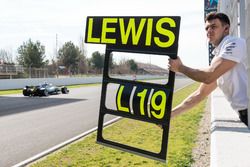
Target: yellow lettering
(165, 32)
(131, 29)
(149, 32)
(90, 29)
(142, 100)
(106, 30)
(160, 108)
(118, 100)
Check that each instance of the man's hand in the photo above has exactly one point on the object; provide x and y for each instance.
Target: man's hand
(174, 64)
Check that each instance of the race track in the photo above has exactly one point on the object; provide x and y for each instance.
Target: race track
(30, 125)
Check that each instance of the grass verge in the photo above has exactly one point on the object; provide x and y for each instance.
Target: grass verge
(13, 91)
(183, 132)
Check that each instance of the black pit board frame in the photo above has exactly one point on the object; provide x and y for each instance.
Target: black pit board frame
(168, 89)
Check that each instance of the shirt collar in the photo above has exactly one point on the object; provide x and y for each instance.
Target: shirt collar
(217, 49)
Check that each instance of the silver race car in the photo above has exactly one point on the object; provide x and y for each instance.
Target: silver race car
(44, 90)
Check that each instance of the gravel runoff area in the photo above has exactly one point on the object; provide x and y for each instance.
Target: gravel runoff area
(201, 152)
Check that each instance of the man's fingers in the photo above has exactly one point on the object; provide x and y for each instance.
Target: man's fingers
(174, 64)
(171, 65)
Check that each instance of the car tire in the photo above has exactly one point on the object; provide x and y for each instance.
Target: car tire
(65, 90)
(26, 92)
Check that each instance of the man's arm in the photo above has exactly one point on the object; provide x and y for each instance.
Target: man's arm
(218, 67)
(203, 91)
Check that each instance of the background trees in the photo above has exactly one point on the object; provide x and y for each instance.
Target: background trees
(6, 57)
(72, 58)
(132, 65)
(97, 61)
(32, 54)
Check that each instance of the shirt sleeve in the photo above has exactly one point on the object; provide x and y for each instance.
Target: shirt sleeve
(233, 50)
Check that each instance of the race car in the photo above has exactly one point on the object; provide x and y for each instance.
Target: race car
(44, 90)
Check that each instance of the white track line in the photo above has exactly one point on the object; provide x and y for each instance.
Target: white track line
(52, 149)
(184, 86)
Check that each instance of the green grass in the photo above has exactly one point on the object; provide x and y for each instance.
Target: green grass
(183, 132)
(83, 85)
(13, 91)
